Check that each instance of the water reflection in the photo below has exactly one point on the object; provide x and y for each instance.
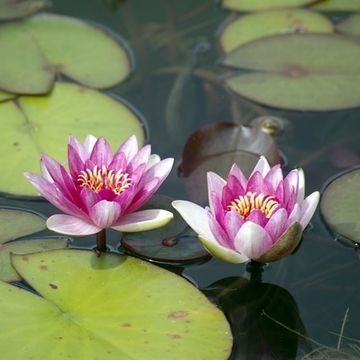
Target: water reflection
(260, 315)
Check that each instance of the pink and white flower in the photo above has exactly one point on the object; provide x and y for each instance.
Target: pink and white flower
(103, 190)
(260, 218)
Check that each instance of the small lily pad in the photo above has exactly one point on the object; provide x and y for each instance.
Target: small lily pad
(114, 306)
(254, 26)
(337, 5)
(23, 247)
(41, 124)
(339, 205)
(299, 72)
(6, 96)
(259, 5)
(32, 76)
(350, 26)
(17, 223)
(54, 44)
(10, 9)
(174, 242)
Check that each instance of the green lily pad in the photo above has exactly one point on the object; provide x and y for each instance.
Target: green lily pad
(337, 5)
(58, 44)
(32, 76)
(299, 72)
(254, 26)
(17, 223)
(23, 247)
(114, 306)
(173, 243)
(350, 26)
(259, 5)
(10, 9)
(339, 205)
(41, 124)
(5, 96)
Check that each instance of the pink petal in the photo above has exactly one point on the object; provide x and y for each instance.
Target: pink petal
(119, 162)
(252, 240)
(308, 207)
(273, 178)
(129, 147)
(218, 231)
(218, 211)
(262, 167)
(78, 147)
(153, 160)
(291, 183)
(105, 214)
(236, 171)
(215, 184)
(257, 184)
(233, 222)
(301, 185)
(143, 220)
(71, 225)
(101, 153)
(257, 217)
(277, 224)
(196, 217)
(88, 146)
(142, 157)
(294, 215)
(89, 198)
(76, 164)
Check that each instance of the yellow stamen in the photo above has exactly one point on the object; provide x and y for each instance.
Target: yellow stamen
(99, 179)
(245, 204)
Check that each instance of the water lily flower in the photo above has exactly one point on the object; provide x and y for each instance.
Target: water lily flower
(103, 190)
(260, 218)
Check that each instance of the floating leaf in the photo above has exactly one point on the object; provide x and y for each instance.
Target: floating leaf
(14, 9)
(59, 44)
(299, 72)
(258, 5)
(337, 5)
(32, 76)
(350, 26)
(22, 247)
(254, 26)
(111, 306)
(42, 124)
(174, 242)
(220, 138)
(5, 96)
(339, 205)
(79, 50)
(17, 223)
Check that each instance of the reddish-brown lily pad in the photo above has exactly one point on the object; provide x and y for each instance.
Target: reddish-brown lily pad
(339, 205)
(14, 9)
(299, 72)
(173, 243)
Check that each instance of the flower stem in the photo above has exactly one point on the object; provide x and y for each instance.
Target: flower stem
(255, 269)
(101, 241)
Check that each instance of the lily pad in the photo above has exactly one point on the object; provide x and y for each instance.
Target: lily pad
(339, 205)
(16, 223)
(337, 5)
(173, 243)
(23, 247)
(259, 5)
(41, 124)
(32, 76)
(350, 26)
(114, 306)
(254, 26)
(10, 9)
(299, 72)
(58, 44)
(5, 96)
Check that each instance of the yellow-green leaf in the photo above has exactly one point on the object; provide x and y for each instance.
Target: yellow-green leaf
(350, 26)
(258, 5)
(253, 26)
(337, 5)
(107, 307)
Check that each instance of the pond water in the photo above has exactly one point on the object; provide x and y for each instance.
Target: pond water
(304, 298)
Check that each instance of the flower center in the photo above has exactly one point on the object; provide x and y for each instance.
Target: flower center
(99, 179)
(245, 204)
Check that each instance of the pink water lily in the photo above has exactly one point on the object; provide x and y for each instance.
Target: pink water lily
(260, 218)
(103, 190)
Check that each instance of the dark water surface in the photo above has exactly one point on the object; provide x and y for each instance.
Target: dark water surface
(311, 290)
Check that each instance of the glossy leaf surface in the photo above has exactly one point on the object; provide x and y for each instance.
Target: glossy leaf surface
(258, 5)
(42, 124)
(254, 26)
(299, 72)
(114, 306)
(339, 205)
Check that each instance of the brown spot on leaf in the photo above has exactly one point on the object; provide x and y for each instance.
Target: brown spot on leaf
(169, 242)
(296, 71)
(53, 286)
(59, 337)
(126, 325)
(24, 258)
(175, 336)
(178, 314)
(43, 267)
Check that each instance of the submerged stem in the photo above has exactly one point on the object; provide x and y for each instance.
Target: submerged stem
(101, 241)
(255, 269)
